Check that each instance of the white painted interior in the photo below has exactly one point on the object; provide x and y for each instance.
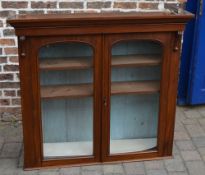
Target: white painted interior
(63, 149)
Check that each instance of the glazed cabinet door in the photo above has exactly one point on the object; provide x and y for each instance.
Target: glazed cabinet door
(136, 71)
(68, 101)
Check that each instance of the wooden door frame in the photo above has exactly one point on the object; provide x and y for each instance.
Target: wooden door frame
(32, 116)
(165, 39)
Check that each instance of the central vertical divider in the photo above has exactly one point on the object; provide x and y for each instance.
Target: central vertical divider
(105, 98)
(98, 67)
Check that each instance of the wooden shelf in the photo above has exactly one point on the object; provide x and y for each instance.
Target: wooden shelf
(136, 60)
(85, 62)
(61, 91)
(66, 63)
(139, 87)
(84, 90)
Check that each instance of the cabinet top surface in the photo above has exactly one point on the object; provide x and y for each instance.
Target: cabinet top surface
(99, 18)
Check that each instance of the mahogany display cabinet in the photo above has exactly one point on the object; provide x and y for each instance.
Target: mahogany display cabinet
(98, 87)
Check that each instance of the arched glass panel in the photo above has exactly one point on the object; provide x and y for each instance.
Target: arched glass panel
(66, 80)
(135, 87)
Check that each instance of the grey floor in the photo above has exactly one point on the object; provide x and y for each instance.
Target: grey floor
(189, 152)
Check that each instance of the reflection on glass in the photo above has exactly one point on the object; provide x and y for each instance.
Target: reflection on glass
(66, 99)
(134, 111)
(134, 121)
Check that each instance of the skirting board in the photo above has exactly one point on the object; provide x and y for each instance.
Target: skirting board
(68, 149)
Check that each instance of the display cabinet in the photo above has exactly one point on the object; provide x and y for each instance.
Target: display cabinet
(98, 87)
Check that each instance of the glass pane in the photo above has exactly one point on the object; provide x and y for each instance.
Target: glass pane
(135, 87)
(67, 127)
(66, 81)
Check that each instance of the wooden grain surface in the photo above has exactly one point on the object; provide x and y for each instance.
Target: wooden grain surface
(63, 91)
(85, 62)
(65, 63)
(141, 87)
(81, 90)
(99, 18)
(136, 60)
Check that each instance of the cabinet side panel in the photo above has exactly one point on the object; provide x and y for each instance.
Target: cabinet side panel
(31, 150)
(172, 91)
